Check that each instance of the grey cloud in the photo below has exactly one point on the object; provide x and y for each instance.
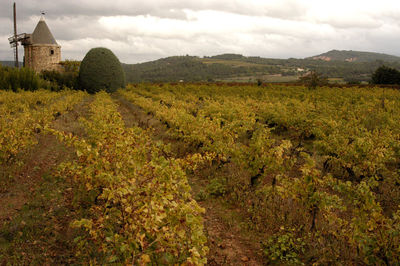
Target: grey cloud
(348, 23)
(275, 28)
(166, 9)
(71, 28)
(86, 8)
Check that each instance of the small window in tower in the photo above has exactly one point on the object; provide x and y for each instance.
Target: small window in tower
(51, 52)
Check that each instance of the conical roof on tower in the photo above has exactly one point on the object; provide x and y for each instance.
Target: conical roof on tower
(42, 34)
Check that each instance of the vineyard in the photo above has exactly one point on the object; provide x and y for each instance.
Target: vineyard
(311, 176)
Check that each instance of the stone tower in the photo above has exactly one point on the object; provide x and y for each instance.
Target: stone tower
(41, 51)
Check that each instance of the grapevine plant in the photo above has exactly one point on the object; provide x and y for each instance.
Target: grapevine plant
(315, 171)
(136, 204)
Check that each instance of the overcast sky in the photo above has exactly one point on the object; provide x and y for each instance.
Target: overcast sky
(138, 31)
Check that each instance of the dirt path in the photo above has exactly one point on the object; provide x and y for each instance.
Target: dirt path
(39, 160)
(229, 242)
(36, 205)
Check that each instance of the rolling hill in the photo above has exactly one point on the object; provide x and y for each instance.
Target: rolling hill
(339, 65)
(192, 68)
(354, 56)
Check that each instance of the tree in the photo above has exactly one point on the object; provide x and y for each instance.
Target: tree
(385, 75)
(313, 79)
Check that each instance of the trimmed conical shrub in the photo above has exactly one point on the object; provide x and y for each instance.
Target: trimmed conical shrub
(101, 70)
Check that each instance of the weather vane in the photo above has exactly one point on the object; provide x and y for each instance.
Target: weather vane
(43, 13)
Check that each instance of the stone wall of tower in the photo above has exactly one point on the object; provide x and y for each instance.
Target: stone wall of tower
(41, 57)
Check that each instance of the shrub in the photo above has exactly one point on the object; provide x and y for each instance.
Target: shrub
(20, 78)
(101, 70)
(67, 78)
(61, 80)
